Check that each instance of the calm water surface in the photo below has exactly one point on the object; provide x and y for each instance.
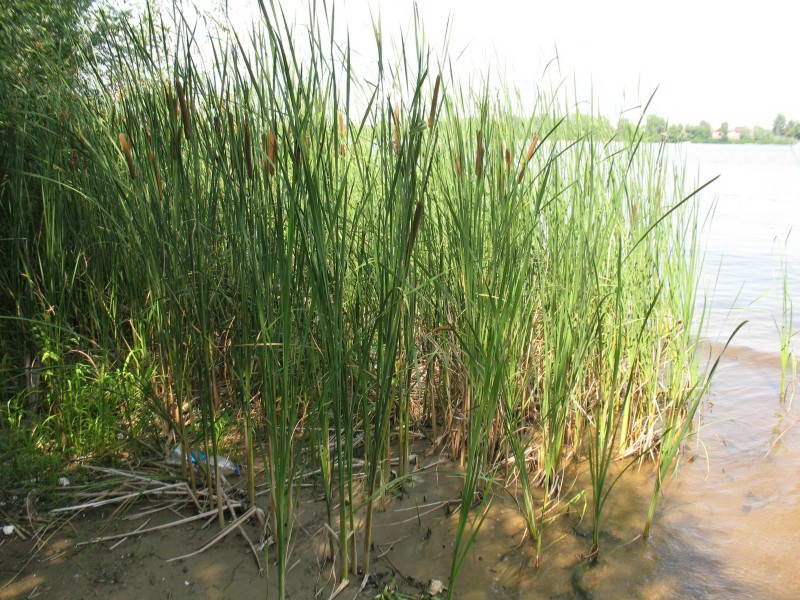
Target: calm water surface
(730, 526)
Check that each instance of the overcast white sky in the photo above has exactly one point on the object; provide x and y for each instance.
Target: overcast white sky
(720, 61)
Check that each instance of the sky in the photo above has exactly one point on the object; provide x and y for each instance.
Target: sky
(709, 60)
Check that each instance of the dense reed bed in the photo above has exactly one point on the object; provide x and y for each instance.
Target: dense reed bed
(276, 257)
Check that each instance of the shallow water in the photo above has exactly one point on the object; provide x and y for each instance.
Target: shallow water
(729, 525)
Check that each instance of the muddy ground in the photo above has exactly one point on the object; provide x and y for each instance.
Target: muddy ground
(413, 545)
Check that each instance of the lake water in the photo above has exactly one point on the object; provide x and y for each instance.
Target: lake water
(754, 235)
(730, 526)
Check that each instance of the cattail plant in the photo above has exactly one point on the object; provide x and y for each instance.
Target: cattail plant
(125, 146)
(434, 102)
(479, 155)
(184, 109)
(374, 281)
(531, 151)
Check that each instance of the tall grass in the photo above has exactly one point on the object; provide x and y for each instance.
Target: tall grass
(288, 245)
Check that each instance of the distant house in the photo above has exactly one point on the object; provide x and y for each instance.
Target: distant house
(733, 134)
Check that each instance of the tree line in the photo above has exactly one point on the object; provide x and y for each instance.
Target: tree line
(655, 128)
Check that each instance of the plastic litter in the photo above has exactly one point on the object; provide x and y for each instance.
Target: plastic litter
(226, 465)
(63, 481)
(435, 588)
(8, 529)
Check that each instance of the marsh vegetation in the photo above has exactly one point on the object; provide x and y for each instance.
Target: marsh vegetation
(310, 269)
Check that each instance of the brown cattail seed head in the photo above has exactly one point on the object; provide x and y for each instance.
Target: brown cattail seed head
(532, 148)
(508, 158)
(176, 142)
(125, 145)
(435, 101)
(479, 155)
(395, 129)
(271, 153)
(415, 223)
(531, 151)
(341, 125)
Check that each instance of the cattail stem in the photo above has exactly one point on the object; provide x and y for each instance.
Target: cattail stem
(419, 211)
(248, 150)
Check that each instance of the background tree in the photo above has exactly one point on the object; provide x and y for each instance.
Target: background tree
(625, 129)
(676, 133)
(745, 134)
(699, 133)
(779, 125)
(762, 135)
(792, 129)
(656, 127)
